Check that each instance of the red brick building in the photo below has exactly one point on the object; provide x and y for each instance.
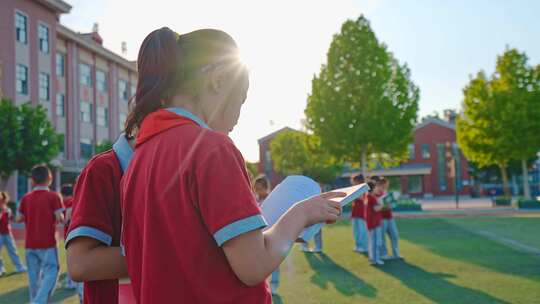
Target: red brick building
(425, 174)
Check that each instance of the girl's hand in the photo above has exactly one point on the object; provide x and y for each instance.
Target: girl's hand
(320, 208)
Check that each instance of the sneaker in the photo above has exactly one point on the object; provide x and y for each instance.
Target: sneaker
(359, 250)
(379, 263)
(386, 258)
(21, 270)
(317, 250)
(398, 257)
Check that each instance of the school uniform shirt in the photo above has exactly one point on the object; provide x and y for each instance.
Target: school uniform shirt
(97, 214)
(185, 194)
(373, 218)
(387, 214)
(358, 208)
(39, 208)
(68, 205)
(5, 214)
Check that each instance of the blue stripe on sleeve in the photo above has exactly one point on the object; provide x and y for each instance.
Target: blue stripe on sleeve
(90, 232)
(239, 227)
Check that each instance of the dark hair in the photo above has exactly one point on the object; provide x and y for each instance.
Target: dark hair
(371, 185)
(40, 173)
(5, 196)
(169, 63)
(263, 181)
(67, 190)
(359, 178)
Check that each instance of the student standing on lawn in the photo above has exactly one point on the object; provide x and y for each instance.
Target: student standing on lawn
(389, 228)
(93, 248)
(360, 231)
(374, 221)
(41, 210)
(6, 238)
(192, 229)
(261, 188)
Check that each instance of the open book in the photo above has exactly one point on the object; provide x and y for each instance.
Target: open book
(297, 188)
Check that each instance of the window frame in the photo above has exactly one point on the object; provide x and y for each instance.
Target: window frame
(62, 112)
(102, 117)
(424, 155)
(86, 117)
(101, 84)
(42, 88)
(44, 45)
(60, 59)
(18, 36)
(24, 83)
(85, 80)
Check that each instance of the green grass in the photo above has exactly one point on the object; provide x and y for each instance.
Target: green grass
(453, 260)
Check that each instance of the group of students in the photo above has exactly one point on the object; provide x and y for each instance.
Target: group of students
(171, 206)
(372, 220)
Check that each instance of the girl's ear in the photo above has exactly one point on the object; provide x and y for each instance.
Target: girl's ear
(217, 79)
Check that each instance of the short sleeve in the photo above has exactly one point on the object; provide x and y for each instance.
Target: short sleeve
(90, 206)
(56, 204)
(226, 203)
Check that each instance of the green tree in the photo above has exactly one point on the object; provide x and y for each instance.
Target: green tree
(103, 146)
(295, 152)
(500, 120)
(252, 168)
(363, 102)
(27, 138)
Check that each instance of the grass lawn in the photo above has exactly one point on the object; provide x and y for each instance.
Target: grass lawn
(452, 260)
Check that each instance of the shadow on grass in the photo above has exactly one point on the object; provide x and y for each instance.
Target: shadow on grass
(20, 295)
(436, 286)
(451, 241)
(328, 272)
(276, 299)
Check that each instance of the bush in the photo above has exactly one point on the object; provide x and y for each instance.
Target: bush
(528, 204)
(407, 205)
(502, 201)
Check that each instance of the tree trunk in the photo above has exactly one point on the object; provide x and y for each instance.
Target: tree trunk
(506, 186)
(363, 162)
(3, 183)
(526, 188)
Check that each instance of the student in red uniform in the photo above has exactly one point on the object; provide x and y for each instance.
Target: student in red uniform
(374, 222)
(41, 210)
(93, 242)
(6, 238)
(360, 232)
(192, 229)
(389, 227)
(261, 188)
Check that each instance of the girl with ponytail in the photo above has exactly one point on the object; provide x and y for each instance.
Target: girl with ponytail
(192, 230)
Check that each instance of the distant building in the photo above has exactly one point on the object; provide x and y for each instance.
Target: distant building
(84, 86)
(425, 174)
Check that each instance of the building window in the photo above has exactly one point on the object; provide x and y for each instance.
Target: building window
(86, 111)
(414, 184)
(102, 116)
(101, 81)
(22, 79)
(44, 86)
(133, 91)
(411, 151)
(62, 143)
(425, 151)
(122, 90)
(43, 36)
(60, 105)
(87, 150)
(86, 75)
(457, 157)
(441, 167)
(60, 65)
(21, 32)
(121, 121)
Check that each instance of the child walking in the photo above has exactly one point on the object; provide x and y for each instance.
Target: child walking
(374, 223)
(6, 238)
(360, 231)
(189, 215)
(41, 210)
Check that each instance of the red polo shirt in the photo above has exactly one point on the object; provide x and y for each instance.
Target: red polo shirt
(4, 221)
(185, 193)
(373, 218)
(358, 208)
(96, 214)
(38, 208)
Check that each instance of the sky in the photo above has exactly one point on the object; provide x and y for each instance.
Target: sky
(284, 43)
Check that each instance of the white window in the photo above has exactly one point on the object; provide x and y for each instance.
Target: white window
(122, 90)
(60, 105)
(425, 151)
(86, 111)
(102, 116)
(121, 121)
(60, 65)
(43, 36)
(21, 26)
(101, 81)
(411, 151)
(44, 86)
(22, 79)
(86, 75)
